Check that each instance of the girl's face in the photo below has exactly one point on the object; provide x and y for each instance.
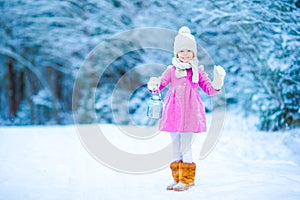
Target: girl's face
(185, 55)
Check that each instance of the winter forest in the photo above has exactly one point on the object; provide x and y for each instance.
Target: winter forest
(44, 44)
(70, 65)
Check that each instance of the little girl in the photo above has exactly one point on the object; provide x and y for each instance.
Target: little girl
(184, 113)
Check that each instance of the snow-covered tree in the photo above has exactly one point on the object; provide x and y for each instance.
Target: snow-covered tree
(257, 43)
(43, 44)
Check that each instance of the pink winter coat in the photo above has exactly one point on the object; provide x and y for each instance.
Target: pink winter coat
(183, 109)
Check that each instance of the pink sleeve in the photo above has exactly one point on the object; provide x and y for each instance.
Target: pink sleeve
(205, 83)
(165, 79)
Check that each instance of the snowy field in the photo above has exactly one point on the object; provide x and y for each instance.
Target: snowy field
(50, 163)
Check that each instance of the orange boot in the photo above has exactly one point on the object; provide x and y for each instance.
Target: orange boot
(175, 173)
(187, 172)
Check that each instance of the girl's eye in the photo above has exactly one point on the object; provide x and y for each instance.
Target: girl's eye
(189, 50)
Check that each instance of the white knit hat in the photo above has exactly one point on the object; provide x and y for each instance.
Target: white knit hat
(185, 40)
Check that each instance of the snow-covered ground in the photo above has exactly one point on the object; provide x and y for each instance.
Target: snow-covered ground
(50, 163)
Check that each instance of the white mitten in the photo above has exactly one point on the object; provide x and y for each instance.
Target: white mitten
(219, 75)
(153, 84)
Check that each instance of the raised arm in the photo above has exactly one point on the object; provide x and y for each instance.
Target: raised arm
(205, 83)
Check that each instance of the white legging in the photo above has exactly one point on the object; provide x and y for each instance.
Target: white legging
(182, 146)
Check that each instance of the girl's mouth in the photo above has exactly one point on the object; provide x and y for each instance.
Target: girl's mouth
(185, 58)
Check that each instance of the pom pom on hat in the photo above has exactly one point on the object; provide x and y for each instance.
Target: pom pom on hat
(184, 40)
(184, 29)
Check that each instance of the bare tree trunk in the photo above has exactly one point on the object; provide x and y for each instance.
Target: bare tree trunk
(54, 86)
(11, 90)
(28, 95)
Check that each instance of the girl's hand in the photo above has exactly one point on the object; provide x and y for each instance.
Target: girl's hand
(153, 84)
(219, 75)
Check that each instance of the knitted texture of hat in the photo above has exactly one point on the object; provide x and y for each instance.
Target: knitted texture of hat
(184, 40)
